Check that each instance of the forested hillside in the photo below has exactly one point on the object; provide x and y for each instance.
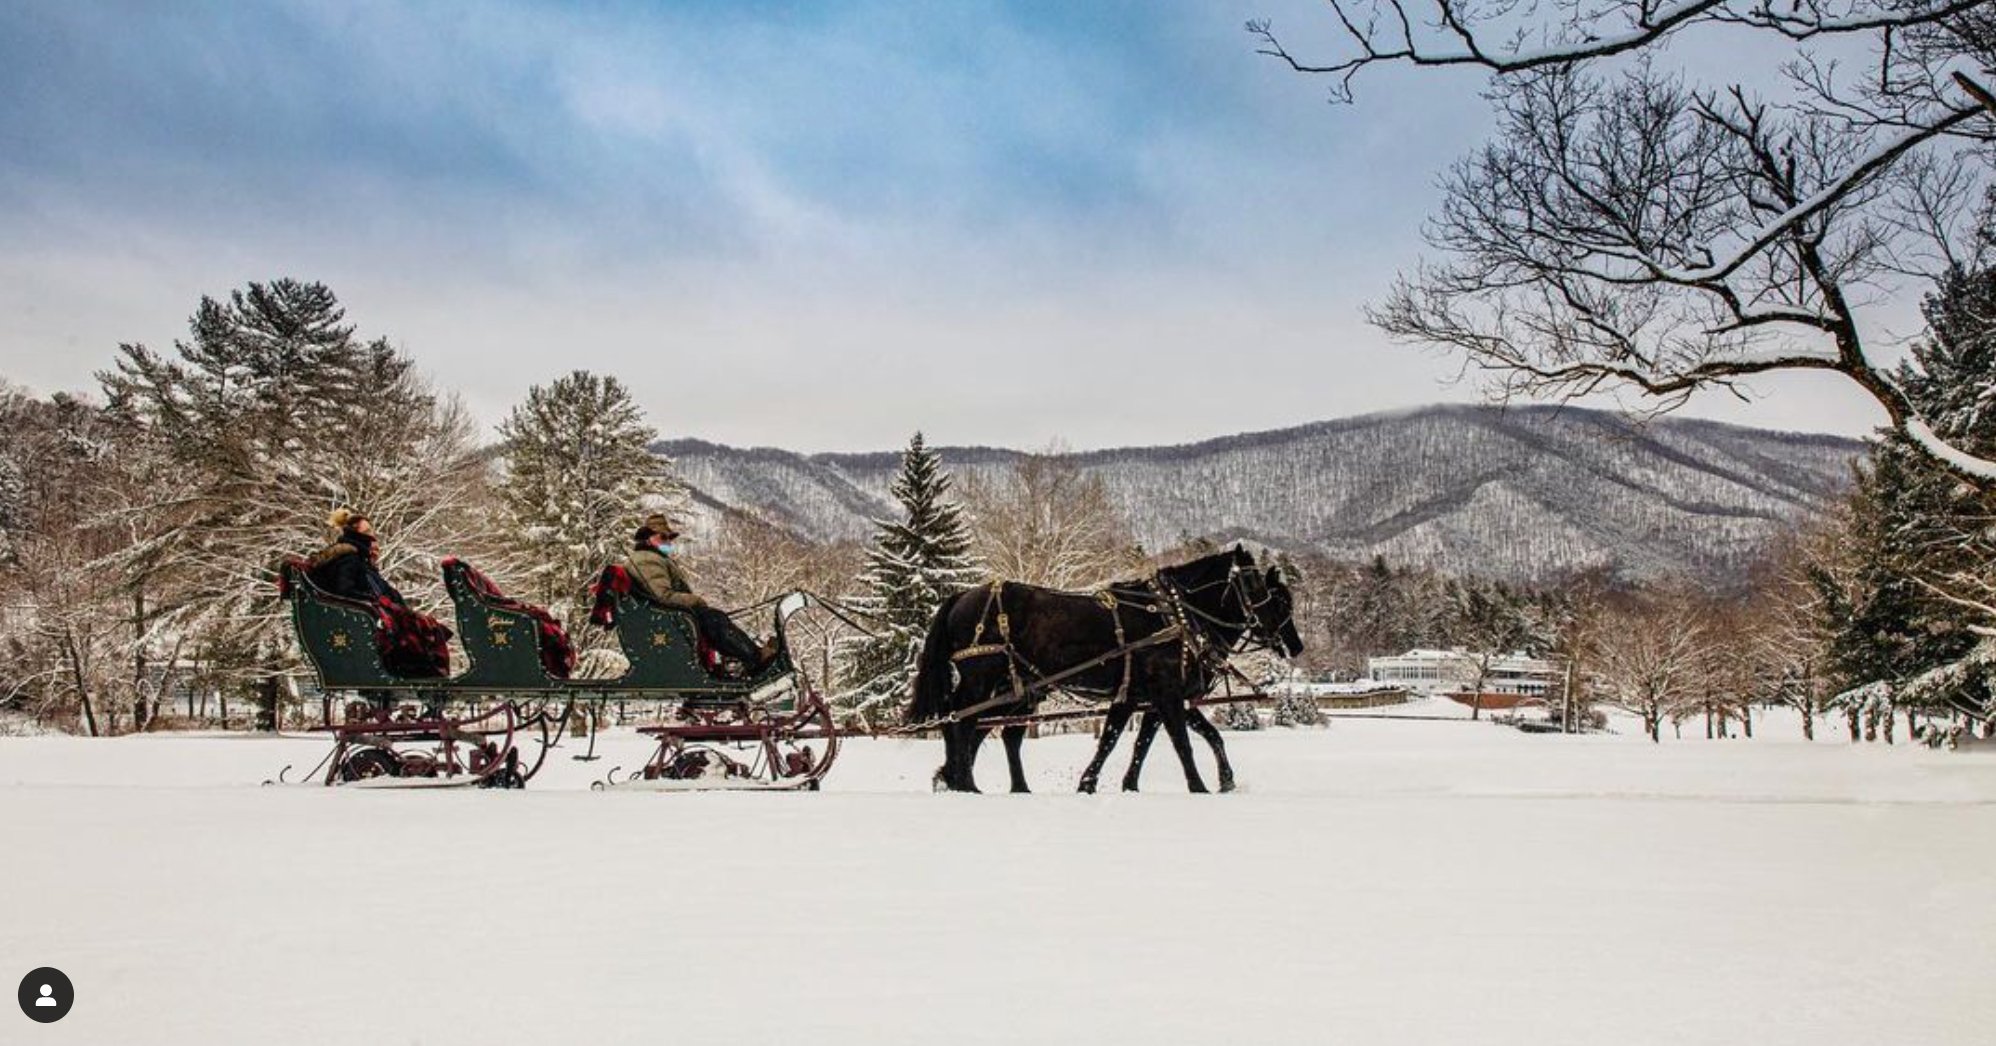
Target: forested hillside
(1517, 493)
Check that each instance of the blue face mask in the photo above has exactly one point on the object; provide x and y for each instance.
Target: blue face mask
(666, 548)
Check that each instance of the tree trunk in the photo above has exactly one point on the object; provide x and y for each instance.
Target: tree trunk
(1708, 722)
(1851, 715)
(1887, 721)
(141, 712)
(75, 659)
(1746, 721)
(266, 710)
(1808, 723)
(1655, 724)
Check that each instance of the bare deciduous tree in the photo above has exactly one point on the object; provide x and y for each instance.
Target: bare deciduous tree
(1647, 654)
(1048, 523)
(1627, 230)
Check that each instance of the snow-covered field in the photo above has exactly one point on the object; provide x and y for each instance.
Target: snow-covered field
(1380, 881)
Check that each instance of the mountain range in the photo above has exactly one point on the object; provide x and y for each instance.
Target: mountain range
(1519, 493)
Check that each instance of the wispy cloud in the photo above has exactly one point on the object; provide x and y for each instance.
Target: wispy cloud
(814, 224)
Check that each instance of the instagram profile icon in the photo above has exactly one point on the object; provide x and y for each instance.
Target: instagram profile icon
(46, 995)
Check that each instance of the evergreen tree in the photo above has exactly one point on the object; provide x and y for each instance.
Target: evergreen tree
(1238, 716)
(579, 474)
(1296, 709)
(271, 413)
(1916, 547)
(915, 562)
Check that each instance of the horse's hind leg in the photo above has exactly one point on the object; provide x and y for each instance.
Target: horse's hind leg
(1181, 742)
(1015, 737)
(1204, 727)
(1145, 735)
(1112, 728)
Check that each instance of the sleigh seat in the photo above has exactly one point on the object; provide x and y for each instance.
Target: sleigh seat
(664, 647)
(342, 638)
(511, 645)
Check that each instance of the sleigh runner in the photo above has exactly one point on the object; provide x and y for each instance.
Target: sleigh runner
(721, 727)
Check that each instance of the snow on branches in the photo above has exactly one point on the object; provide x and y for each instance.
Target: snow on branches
(1627, 230)
(915, 562)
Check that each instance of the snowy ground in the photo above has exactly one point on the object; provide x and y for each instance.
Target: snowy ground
(1380, 881)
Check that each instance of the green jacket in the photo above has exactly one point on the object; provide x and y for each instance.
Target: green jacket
(661, 579)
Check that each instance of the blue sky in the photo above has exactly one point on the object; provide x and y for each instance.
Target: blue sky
(812, 225)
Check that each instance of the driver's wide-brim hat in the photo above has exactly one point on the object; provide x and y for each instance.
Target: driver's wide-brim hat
(662, 524)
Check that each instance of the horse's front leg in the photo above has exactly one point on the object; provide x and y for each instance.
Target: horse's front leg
(1204, 728)
(1146, 733)
(948, 774)
(973, 740)
(960, 741)
(1181, 742)
(1015, 738)
(1112, 728)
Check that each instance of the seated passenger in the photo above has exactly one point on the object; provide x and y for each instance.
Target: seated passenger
(411, 643)
(662, 580)
(347, 567)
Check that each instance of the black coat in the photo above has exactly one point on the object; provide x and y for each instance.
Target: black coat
(346, 568)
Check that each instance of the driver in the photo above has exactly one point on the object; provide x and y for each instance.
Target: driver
(654, 567)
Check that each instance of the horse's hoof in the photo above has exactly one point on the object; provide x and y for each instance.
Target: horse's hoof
(1086, 787)
(1226, 786)
(1022, 790)
(1131, 786)
(1199, 788)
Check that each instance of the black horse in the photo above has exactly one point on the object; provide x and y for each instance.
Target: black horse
(1154, 643)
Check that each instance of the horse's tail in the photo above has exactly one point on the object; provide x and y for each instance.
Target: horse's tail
(932, 669)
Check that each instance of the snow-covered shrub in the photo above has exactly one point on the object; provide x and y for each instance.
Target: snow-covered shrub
(1241, 716)
(1296, 710)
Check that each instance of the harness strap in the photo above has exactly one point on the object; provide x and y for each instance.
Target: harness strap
(981, 650)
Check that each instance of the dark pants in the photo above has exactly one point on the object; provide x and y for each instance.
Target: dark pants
(721, 633)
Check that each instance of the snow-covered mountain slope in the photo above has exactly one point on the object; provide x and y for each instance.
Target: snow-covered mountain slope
(1520, 493)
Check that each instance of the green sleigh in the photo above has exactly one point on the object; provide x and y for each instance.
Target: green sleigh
(718, 728)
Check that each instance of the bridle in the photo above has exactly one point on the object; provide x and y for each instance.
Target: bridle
(1253, 631)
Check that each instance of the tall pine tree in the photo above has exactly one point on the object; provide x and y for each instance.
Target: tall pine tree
(1919, 550)
(269, 414)
(580, 473)
(915, 562)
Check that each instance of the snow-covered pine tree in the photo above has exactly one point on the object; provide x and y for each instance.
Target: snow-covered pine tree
(268, 415)
(914, 563)
(579, 474)
(1240, 715)
(1919, 557)
(1295, 709)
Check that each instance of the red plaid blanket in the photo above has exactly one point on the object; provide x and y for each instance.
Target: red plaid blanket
(613, 582)
(411, 643)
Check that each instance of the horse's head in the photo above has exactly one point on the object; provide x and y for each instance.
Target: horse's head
(1269, 607)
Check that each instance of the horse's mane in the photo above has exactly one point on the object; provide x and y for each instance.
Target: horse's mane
(1193, 570)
